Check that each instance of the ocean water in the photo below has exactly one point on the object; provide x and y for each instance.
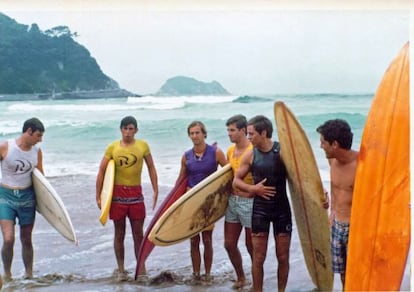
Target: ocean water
(77, 133)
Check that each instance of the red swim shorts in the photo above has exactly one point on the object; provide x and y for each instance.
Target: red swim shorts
(127, 201)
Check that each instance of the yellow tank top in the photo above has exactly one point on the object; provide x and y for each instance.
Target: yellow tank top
(236, 161)
(128, 161)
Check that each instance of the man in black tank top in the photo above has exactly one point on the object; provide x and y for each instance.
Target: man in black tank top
(271, 204)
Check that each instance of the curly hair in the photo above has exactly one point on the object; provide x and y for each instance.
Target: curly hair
(337, 130)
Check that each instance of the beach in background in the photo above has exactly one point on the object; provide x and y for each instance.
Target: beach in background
(77, 133)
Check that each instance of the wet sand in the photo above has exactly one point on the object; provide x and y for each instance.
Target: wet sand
(60, 265)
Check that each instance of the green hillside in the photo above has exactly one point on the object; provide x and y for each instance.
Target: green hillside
(35, 61)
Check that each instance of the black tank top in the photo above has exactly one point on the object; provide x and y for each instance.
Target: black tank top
(270, 165)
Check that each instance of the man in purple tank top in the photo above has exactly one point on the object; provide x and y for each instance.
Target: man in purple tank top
(197, 163)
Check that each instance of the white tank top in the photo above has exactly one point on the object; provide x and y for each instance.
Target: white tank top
(17, 166)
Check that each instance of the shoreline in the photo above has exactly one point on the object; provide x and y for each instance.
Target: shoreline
(59, 264)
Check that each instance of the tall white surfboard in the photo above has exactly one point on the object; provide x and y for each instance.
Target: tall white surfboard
(50, 205)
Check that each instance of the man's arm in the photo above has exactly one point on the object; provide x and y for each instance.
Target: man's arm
(153, 176)
(40, 161)
(3, 149)
(183, 170)
(220, 157)
(238, 182)
(100, 179)
(258, 189)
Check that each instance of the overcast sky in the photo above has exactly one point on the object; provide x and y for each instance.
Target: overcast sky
(248, 49)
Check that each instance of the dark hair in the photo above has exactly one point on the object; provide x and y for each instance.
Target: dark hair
(337, 130)
(239, 120)
(197, 123)
(34, 124)
(260, 123)
(128, 121)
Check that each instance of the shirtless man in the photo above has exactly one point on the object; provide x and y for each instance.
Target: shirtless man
(336, 141)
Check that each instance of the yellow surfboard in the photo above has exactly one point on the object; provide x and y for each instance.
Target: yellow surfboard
(307, 195)
(198, 208)
(379, 238)
(106, 193)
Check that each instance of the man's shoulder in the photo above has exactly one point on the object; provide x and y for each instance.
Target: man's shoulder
(140, 141)
(231, 147)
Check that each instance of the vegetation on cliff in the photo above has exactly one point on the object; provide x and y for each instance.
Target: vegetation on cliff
(35, 61)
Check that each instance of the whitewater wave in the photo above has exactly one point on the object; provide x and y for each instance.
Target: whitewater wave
(92, 107)
(251, 99)
(174, 102)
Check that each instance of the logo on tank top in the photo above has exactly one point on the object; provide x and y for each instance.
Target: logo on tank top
(22, 166)
(127, 160)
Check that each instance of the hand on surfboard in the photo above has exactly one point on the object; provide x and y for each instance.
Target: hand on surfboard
(266, 192)
(98, 202)
(155, 199)
(325, 204)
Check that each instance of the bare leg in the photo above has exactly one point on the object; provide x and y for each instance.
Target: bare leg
(343, 281)
(137, 235)
(208, 250)
(7, 229)
(259, 241)
(282, 254)
(231, 237)
(249, 244)
(119, 244)
(195, 254)
(27, 249)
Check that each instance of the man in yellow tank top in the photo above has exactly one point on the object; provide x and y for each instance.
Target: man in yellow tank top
(239, 210)
(129, 155)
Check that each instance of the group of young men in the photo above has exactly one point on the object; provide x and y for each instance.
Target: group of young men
(259, 194)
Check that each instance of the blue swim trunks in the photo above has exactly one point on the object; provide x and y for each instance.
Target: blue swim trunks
(19, 204)
(240, 211)
(339, 246)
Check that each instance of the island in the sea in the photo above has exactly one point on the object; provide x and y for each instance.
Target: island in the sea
(50, 64)
(182, 85)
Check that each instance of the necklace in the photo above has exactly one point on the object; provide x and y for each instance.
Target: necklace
(198, 156)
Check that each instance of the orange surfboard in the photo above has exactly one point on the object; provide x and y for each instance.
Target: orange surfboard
(379, 238)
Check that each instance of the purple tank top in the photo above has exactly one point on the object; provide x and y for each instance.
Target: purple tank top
(199, 168)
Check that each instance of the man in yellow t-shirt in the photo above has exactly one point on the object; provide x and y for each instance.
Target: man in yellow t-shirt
(129, 155)
(239, 210)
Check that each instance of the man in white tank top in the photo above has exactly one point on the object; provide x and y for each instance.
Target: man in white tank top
(18, 158)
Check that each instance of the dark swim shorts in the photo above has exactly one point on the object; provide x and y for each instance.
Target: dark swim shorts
(266, 212)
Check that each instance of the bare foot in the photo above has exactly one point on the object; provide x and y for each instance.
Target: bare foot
(28, 276)
(240, 284)
(7, 278)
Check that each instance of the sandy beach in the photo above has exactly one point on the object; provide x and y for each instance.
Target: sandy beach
(59, 264)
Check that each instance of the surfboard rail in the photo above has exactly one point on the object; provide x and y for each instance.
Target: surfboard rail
(307, 196)
(107, 191)
(51, 207)
(380, 225)
(147, 246)
(197, 209)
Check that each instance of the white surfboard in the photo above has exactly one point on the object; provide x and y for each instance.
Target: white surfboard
(50, 205)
